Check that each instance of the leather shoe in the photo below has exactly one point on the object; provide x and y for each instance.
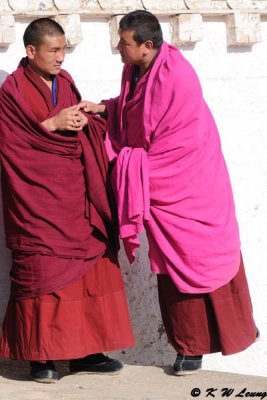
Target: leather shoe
(187, 365)
(43, 372)
(95, 364)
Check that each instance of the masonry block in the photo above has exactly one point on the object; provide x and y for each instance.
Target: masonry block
(72, 27)
(7, 20)
(88, 7)
(186, 29)
(157, 6)
(206, 4)
(259, 5)
(113, 30)
(247, 4)
(68, 5)
(4, 5)
(7, 30)
(243, 29)
(28, 6)
(120, 6)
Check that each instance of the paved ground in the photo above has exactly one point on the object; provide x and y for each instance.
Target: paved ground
(134, 383)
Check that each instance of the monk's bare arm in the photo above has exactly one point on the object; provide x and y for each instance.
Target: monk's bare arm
(68, 119)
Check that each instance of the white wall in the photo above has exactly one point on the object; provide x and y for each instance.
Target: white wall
(235, 87)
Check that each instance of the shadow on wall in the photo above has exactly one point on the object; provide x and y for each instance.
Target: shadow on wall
(151, 345)
(3, 75)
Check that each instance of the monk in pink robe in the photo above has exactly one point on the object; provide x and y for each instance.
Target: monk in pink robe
(170, 178)
(67, 298)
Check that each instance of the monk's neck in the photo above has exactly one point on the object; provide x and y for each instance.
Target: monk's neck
(48, 82)
(46, 78)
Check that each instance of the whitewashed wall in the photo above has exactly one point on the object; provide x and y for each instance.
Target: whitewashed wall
(235, 86)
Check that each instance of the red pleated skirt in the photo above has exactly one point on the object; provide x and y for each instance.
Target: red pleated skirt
(88, 316)
(221, 321)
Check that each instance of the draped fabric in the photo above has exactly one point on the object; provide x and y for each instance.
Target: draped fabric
(54, 184)
(170, 176)
(220, 321)
(88, 316)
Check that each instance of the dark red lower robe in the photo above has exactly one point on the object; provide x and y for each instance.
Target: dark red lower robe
(88, 316)
(220, 321)
(67, 294)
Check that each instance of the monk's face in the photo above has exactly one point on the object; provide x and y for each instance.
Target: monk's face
(131, 51)
(47, 58)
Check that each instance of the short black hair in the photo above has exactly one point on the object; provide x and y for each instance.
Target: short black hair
(39, 28)
(145, 26)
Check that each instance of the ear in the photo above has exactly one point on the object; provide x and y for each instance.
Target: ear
(148, 46)
(30, 51)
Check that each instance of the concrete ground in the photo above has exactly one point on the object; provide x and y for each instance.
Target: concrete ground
(133, 383)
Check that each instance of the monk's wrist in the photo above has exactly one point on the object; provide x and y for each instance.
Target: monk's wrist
(50, 124)
(102, 109)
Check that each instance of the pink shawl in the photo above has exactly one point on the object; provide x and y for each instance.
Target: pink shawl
(170, 176)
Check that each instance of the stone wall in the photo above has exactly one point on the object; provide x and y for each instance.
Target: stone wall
(226, 42)
(242, 17)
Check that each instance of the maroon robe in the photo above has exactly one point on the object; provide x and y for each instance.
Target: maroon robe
(67, 294)
(54, 188)
(203, 323)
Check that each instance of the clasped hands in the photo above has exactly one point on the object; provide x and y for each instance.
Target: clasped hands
(72, 118)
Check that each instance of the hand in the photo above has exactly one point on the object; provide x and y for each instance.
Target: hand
(68, 119)
(93, 108)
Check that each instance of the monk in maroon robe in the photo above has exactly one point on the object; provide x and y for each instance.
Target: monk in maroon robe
(67, 296)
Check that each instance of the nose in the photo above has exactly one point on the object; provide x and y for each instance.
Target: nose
(61, 55)
(119, 46)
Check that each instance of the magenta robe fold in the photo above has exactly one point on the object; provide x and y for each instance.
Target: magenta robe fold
(170, 176)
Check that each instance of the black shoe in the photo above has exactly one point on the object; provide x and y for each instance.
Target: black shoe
(96, 364)
(43, 372)
(186, 365)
